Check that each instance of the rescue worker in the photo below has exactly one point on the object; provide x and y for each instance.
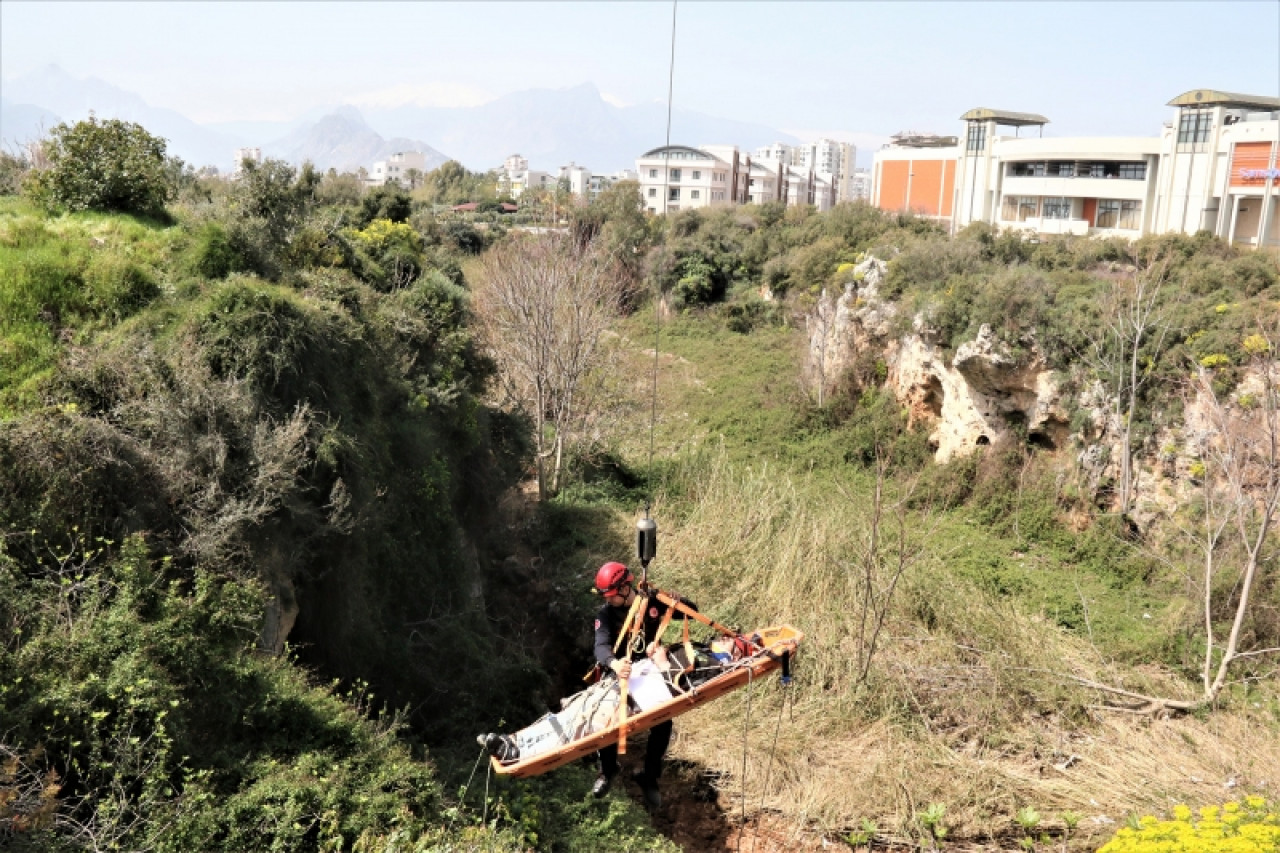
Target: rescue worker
(615, 582)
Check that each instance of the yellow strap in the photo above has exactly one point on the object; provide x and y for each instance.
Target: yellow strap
(626, 624)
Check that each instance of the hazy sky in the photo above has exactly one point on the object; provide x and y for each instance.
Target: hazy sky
(1103, 68)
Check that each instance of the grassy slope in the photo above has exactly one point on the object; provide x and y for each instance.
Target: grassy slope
(968, 703)
(266, 757)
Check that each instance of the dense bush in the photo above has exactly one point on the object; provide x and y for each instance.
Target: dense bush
(103, 165)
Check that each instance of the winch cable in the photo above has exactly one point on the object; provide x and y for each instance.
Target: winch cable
(657, 295)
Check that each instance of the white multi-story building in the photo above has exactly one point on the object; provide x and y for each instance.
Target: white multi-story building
(405, 168)
(515, 178)
(253, 155)
(858, 185)
(678, 177)
(778, 151)
(766, 181)
(1213, 169)
(577, 179)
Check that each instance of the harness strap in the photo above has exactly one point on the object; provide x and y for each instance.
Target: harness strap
(627, 623)
(690, 612)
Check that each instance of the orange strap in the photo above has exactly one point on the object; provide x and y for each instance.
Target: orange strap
(676, 604)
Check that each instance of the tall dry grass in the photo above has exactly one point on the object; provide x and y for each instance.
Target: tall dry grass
(968, 702)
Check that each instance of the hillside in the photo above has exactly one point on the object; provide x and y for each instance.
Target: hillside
(272, 551)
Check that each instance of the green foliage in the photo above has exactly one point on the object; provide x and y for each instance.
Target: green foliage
(388, 202)
(452, 183)
(13, 171)
(103, 165)
(151, 660)
(211, 254)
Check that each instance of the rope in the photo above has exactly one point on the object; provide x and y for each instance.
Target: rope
(467, 787)
(773, 747)
(657, 301)
(746, 719)
(487, 774)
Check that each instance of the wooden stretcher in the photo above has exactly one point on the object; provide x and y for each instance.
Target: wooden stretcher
(769, 648)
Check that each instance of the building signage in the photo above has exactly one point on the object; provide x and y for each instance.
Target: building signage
(1259, 174)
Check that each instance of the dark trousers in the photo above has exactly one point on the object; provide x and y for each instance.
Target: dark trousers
(659, 739)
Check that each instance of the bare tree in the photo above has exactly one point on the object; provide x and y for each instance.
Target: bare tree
(544, 302)
(892, 542)
(1237, 440)
(1239, 447)
(1134, 314)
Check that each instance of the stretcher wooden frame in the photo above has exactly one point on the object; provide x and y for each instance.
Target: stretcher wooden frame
(768, 647)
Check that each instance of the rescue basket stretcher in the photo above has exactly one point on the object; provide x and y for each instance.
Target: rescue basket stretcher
(770, 649)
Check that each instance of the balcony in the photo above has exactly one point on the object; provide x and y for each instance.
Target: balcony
(1053, 185)
(1040, 225)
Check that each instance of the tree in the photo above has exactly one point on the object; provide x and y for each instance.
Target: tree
(276, 195)
(1134, 326)
(1236, 439)
(543, 303)
(103, 165)
(616, 219)
(1239, 450)
(453, 184)
(388, 201)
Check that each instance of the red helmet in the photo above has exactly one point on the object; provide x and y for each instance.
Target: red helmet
(612, 577)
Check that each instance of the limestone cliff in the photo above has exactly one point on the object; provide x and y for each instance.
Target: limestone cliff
(972, 399)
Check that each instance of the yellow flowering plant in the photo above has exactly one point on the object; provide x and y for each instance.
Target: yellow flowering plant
(1251, 825)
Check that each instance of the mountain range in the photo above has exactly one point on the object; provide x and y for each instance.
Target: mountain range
(551, 127)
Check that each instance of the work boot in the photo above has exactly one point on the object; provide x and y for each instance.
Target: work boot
(652, 796)
(501, 747)
(602, 785)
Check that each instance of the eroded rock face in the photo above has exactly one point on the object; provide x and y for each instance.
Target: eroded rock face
(843, 326)
(983, 395)
(976, 398)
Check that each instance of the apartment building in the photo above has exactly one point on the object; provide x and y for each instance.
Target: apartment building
(515, 178)
(679, 177)
(252, 155)
(1213, 168)
(830, 163)
(405, 168)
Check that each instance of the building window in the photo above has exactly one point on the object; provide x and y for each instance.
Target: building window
(1108, 213)
(1193, 125)
(1057, 208)
(1019, 208)
(1133, 171)
(653, 192)
(697, 176)
(1119, 214)
(695, 194)
(1009, 211)
(1026, 170)
(653, 173)
(1130, 215)
(1064, 170)
(675, 175)
(977, 139)
(673, 194)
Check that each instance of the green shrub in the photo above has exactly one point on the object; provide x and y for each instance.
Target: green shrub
(211, 254)
(103, 165)
(117, 286)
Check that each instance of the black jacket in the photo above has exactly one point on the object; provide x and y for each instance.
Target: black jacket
(609, 622)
